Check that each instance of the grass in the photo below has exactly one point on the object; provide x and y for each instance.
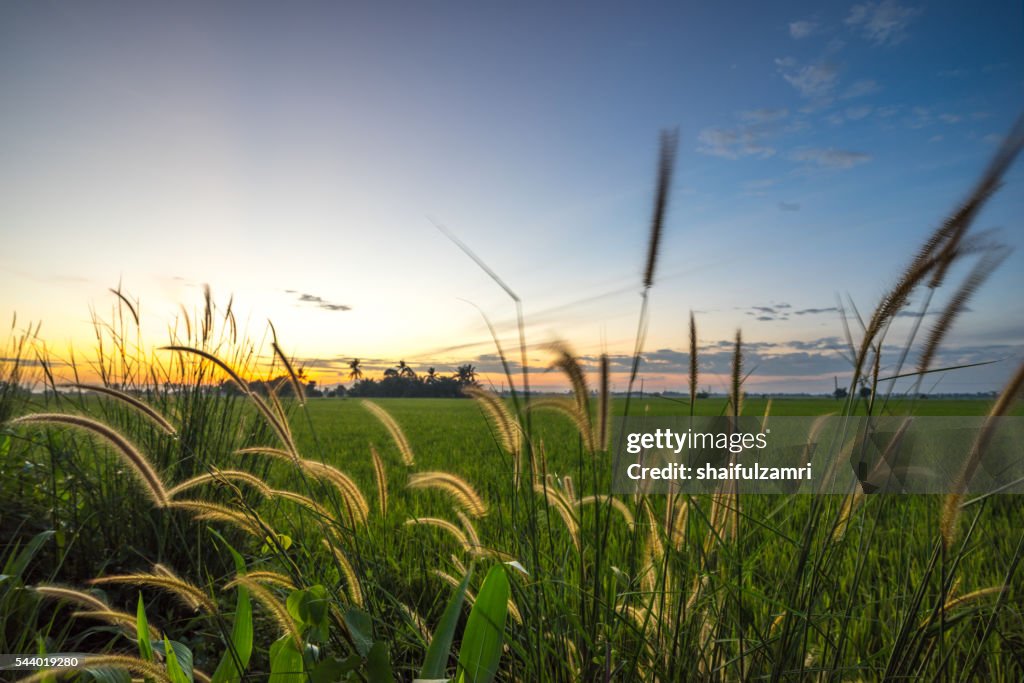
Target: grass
(323, 540)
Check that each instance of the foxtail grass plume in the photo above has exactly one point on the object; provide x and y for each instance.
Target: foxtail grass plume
(349, 491)
(133, 665)
(461, 491)
(382, 481)
(138, 463)
(192, 596)
(276, 422)
(505, 423)
(300, 394)
(71, 595)
(693, 363)
(975, 279)
(304, 501)
(456, 533)
(270, 602)
(666, 166)
(221, 476)
(604, 406)
(143, 408)
(272, 578)
(207, 511)
(565, 509)
(570, 409)
(617, 504)
(397, 435)
(567, 363)
(942, 248)
(951, 508)
(355, 592)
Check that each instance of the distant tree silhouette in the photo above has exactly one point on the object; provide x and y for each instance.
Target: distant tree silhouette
(355, 372)
(839, 392)
(465, 375)
(401, 381)
(405, 371)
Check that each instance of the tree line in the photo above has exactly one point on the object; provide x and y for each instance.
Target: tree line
(400, 381)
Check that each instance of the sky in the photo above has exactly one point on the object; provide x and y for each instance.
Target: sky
(298, 158)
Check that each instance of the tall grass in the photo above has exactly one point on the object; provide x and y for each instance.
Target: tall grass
(225, 500)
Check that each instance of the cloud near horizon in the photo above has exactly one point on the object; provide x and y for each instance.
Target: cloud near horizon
(320, 302)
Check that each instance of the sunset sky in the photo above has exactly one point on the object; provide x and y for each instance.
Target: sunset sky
(296, 156)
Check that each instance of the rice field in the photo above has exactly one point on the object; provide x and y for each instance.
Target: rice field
(166, 529)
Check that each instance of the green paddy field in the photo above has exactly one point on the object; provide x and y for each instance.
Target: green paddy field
(649, 588)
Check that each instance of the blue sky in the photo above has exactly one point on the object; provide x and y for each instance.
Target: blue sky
(278, 152)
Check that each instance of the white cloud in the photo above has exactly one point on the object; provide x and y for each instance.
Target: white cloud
(802, 29)
(760, 184)
(763, 115)
(733, 143)
(830, 158)
(861, 88)
(857, 113)
(882, 23)
(815, 81)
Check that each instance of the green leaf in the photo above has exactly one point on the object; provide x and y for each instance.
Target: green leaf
(5, 446)
(236, 658)
(485, 629)
(360, 627)
(108, 675)
(176, 670)
(436, 661)
(142, 631)
(16, 565)
(309, 608)
(378, 664)
(332, 669)
(286, 662)
(269, 547)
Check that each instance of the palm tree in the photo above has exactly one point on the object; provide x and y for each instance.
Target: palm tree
(431, 376)
(355, 372)
(465, 375)
(405, 371)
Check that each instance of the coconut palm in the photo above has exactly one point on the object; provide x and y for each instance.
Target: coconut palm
(355, 372)
(405, 371)
(431, 376)
(465, 375)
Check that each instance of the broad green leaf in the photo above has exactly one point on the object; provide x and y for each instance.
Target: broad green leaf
(236, 658)
(286, 662)
(485, 629)
(378, 664)
(142, 631)
(16, 565)
(175, 669)
(436, 661)
(108, 675)
(309, 608)
(360, 627)
(332, 669)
